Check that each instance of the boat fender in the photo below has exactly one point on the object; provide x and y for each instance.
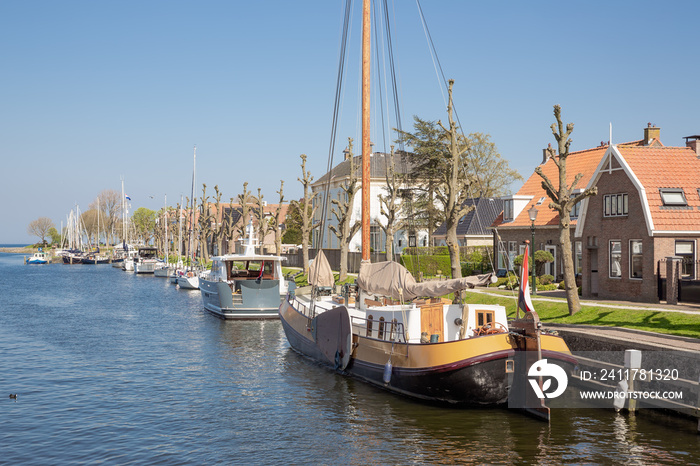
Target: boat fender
(387, 372)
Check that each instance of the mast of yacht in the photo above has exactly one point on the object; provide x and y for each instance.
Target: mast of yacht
(165, 219)
(366, 29)
(179, 235)
(192, 204)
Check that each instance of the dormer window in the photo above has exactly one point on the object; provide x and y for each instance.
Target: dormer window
(673, 197)
(508, 210)
(575, 211)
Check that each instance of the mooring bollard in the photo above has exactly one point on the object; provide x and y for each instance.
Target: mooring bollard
(633, 362)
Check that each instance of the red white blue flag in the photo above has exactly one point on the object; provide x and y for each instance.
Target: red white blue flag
(524, 301)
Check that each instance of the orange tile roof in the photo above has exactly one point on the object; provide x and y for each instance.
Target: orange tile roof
(667, 167)
(584, 162)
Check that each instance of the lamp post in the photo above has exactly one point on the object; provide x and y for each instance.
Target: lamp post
(532, 212)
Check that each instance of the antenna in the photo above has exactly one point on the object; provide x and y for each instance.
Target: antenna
(610, 140)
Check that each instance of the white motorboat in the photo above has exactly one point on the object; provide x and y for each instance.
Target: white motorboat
(39, 257)
(146, 260)
(244, 286)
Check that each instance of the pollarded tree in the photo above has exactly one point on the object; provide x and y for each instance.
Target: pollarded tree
(40, 227)
(389, 207)
(264, 225)
(307, 211)
(454, 186)
(342, 211)
(276, 221)
(563, 201)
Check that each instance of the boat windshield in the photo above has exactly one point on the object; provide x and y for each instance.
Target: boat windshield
(264, 269)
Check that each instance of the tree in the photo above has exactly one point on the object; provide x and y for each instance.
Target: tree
(293, 223)
(40, 227)
(454, 187)
(276, 220)
(205, 228)
(342, 211)
(144, 222)
(563, 202)
(110, 207)
(218, 227)
(264, 226)
(389, 206)
(54, 235)
(244, 201)
(307, 212)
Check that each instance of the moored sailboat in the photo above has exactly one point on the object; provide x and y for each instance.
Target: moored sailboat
(405, 337)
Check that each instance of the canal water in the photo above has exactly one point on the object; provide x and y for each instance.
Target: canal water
(116, 368)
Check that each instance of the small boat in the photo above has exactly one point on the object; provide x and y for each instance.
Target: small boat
(73, 256)
(244, 286)
(189, 279)
(146, 260)
(39, 257)
(93, 258)
(163, 270)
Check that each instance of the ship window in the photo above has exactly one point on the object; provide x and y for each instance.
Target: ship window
(484, 317)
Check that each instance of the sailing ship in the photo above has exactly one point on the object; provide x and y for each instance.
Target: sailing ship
(246, 285)
(405, 337)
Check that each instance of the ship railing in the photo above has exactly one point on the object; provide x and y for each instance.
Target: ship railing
(379, 329)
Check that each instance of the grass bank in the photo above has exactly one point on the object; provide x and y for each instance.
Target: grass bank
(667, 322)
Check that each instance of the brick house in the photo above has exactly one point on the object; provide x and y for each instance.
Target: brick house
(647, 209)
(513, 226)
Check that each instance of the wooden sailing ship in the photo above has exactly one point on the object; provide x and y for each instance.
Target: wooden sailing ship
(405, 337)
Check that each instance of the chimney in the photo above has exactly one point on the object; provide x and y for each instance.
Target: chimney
(545, 154)
(651, 132)
(694, 143)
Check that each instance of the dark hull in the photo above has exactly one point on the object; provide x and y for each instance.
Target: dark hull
(470, 373)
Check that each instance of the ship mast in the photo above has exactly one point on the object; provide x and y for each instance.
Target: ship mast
(365, 127)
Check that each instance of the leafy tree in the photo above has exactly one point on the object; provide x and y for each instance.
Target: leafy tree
(563, 201)
(293, 223)
(40, 227)
(144, 222)
(54, 235)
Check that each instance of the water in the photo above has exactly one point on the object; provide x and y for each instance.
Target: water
(112, 367)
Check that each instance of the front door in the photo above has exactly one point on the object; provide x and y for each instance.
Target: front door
(431, 321)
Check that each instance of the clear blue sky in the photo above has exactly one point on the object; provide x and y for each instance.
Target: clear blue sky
(91, 91)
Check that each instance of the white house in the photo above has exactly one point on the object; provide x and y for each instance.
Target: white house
(338, 177)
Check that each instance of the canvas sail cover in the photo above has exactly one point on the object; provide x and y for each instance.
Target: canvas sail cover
(393, 280)
(320, 273)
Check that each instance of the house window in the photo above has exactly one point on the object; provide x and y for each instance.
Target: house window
(508, 210)
(615, 205)
(673, 197)
(375, 237)
(578, 256)
(686, 251)
(575, 210)
(380, 335)
(636, 265)
(512, 251)
(369, 325)
(615, 259)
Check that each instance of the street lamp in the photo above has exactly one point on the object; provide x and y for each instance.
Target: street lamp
(532, 212)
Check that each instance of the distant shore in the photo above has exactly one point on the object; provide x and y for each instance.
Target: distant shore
(19, 250)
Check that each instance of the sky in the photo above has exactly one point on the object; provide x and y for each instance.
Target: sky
(93, 93)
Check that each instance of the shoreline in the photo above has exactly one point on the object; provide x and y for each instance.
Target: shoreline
(19, 250)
